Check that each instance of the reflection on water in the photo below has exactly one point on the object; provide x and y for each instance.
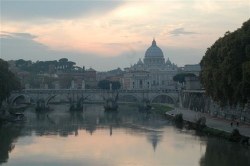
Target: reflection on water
(221, 153)
(126, 137)
(8, 135)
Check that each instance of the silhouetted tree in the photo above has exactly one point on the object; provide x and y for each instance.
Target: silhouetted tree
(104, 84)
(225, 68)
(45, 66)
(8, 81)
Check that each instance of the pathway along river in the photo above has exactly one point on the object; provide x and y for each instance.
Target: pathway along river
(96, 138)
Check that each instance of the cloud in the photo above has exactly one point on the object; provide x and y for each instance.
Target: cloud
(24, 46)
(21, 45)
(104, 34)
(20, 10)
(5, 34)
(181, 31)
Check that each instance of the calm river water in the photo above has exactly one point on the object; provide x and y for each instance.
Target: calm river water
(96, 138)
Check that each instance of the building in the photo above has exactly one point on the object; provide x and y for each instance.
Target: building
(194, 68)
(153, 73)
(193, 83)
(90, 78)
(136, 79)
(109, 74)
(78, 79)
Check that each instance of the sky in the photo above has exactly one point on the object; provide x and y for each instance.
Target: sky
(107, 34)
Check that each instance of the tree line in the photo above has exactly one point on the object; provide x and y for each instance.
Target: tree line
(225, 68)
(46, 66)
(8, 81)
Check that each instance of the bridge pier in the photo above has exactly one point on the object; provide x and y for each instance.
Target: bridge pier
(41, 106)
(110, 102)
(144, 105)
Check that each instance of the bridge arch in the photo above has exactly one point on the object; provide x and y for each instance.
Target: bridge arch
(49, 99)
(168, 98)
(21, 96)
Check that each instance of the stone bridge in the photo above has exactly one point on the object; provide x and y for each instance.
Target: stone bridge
(93, 95)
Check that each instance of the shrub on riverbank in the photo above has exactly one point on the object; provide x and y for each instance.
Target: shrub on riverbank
(161, 109)
(235, 136)
(178, 118)
(215, 132)
(200, 123)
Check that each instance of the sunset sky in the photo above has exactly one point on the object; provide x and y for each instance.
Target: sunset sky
(108, 34)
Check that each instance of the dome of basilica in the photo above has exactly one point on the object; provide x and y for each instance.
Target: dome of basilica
(154, 51)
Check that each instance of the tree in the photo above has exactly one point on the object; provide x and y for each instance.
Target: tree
(225, 68)
(63, 60)
(8, 81)
(22, 64)
(181, 77)
(104, 84)
(116, 85)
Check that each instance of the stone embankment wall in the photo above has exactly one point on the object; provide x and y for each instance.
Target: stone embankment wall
(198, 101)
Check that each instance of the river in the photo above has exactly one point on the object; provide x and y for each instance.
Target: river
(124, 138)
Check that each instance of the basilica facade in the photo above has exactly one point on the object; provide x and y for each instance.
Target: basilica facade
(154, 72)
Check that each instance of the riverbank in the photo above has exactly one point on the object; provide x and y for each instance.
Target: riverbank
(214, 126)
(161, 108)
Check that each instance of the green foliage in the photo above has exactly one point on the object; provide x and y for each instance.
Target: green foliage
(116, 85)
(63, 60)
(178, 118)
(245, 79)
(8, 81)
(225, 67)
(201, 123)
(45, 66)
(215, 132)
(181, 77)
(22, 64)
(161, 109)
(235, 136)
(104, 84)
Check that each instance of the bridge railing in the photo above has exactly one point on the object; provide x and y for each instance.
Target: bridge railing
(44, 91)
(194, 91)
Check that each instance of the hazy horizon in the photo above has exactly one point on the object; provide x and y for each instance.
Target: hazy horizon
(106, 34)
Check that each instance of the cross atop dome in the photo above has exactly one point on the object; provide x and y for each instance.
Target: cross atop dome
(154, 43)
